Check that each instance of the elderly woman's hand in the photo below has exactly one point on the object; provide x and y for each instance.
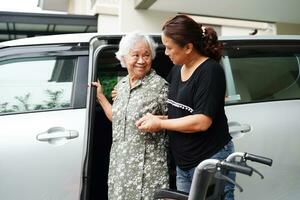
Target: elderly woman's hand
(149, 123)
(114, 94)
(100, 94)
(98, 86)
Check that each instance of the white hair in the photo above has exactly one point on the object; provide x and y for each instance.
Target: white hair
(129, 41)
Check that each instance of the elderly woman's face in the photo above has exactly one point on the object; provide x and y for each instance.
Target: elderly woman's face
(138, 60)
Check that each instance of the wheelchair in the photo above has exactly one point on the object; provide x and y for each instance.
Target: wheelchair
(210, 177)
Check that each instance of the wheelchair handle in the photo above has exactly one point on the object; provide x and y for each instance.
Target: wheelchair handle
(200, 181)
(259, 159)
(235, 167)
(247, 156)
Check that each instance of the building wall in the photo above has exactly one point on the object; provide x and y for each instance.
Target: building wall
(126, 18)
(80, 7)
(121, 16)
(139, 19)
(108, 23)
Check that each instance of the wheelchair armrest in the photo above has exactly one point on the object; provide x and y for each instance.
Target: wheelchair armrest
(170, 194)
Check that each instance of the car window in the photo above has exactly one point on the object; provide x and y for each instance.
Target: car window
(109, 70)
(263, 74)
(35, 84)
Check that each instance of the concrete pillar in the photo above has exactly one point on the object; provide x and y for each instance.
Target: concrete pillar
(147, 21)
(108, 17)
(79, 7)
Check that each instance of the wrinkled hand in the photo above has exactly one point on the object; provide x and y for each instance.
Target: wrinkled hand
(98, 86)
(149, 123)
(114, 94)
(99, 89)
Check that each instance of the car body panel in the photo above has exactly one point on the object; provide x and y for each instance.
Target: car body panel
(262, 76)
(272, 135)
(33, 169)
(42, 121)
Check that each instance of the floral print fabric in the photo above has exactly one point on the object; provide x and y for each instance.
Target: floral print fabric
(138, 161)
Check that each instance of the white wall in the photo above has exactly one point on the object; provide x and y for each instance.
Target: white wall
(108, 23)
(125, 18)
(80, 7)
(144, 20)
(122, 16)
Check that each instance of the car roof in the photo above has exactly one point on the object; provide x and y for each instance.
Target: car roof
(51, 39)
(60, 39)
(261, 37)
(86, 38)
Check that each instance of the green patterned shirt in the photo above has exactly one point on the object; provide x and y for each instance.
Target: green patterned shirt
(138, 161)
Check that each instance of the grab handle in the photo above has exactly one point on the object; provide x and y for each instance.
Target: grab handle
(259, 159)
(235, 167)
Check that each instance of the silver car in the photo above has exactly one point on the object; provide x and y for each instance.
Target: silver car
(55, 139)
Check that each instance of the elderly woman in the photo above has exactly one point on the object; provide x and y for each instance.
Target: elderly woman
(138, 160)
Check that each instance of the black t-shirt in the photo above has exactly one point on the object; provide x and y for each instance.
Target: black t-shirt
(202, 93)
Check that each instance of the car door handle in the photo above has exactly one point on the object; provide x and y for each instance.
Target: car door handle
(236, 129)
(56, 133)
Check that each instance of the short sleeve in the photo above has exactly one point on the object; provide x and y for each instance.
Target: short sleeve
(209, 91)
